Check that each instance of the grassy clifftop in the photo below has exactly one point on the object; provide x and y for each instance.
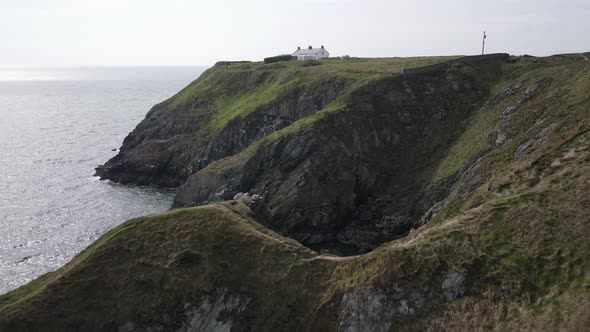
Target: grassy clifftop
(244, 87)
(233, 105)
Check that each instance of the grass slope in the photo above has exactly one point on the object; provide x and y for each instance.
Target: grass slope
(530, 240)
(240, 88)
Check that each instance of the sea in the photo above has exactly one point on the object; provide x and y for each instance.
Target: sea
(56, 126)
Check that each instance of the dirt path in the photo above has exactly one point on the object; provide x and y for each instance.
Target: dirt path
(232, 212)
(423, 232)
(331, 258)
(584, 56)
(279, 239)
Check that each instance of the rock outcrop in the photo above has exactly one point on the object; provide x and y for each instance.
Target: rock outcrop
(357, 177)
(184, 134)
(341, 164)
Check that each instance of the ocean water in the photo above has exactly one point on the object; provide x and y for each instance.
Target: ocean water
(56, 126)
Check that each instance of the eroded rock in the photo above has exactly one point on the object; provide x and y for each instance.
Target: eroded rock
(534, 142)
(453, 285)
(502, 132)
(219, 312)
(371, 309)
(350, 178)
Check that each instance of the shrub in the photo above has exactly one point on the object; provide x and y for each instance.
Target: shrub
(272, 66)
(227, 63)
(186, 258)
(277, 58)
(308, 63)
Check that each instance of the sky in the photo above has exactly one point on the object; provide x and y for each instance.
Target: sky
(201, 32)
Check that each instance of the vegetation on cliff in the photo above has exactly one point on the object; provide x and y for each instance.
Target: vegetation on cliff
(496, 237)
(231, 106)
(381, 159)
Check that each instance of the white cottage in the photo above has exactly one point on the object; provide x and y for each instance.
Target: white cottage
(311, 53)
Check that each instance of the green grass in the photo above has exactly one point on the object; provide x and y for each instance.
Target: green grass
(474, 140)
(237, 90)
(184, 254)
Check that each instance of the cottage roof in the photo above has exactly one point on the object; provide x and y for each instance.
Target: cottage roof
(307, 51)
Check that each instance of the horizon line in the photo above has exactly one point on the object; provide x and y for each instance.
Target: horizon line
(261, 60)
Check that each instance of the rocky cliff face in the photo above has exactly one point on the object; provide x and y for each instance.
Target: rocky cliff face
(182, 135)
(359, 176)
(468, 184)
(342, 163)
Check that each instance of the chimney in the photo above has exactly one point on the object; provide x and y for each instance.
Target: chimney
(298, 48)
(310, 47)
(322, 47)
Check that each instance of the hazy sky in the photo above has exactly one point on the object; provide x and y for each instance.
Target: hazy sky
(180, 32)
